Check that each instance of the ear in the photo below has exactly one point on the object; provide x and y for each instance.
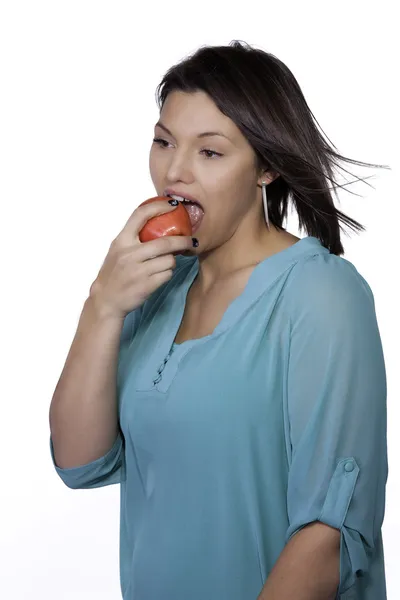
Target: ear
(268, 177)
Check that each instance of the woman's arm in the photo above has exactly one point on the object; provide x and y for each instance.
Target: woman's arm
(335, 429)
(308, 566)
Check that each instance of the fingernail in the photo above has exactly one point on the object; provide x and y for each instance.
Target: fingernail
(195, 242)
(173, 202)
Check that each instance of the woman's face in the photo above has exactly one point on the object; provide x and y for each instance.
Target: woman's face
(218, 171)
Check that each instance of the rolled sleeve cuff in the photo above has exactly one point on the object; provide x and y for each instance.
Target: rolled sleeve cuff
(106, 470)
(353, 558)
(353, 552)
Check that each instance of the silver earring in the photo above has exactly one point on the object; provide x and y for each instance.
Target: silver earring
(265, 202)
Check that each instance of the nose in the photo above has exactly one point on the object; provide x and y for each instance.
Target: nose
(179, 168)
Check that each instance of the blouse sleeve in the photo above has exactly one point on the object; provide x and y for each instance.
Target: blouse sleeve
(336, 411)
(107, 469)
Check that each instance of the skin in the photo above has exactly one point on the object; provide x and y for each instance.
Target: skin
(233, 234)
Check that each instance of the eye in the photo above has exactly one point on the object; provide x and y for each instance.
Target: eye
(161, 142)
(211, 152)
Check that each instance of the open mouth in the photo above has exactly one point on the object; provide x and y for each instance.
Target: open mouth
(194, 210)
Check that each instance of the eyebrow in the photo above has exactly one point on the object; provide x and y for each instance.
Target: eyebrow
(201, 135)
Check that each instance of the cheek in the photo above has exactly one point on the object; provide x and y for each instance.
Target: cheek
(155, 167)
(152, 162)
(231, 177)
(230, 196)
(221, 187)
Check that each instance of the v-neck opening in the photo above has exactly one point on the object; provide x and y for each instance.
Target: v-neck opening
(274, 262)
(167, 354)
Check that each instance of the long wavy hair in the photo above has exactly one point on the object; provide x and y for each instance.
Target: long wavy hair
(261, 96)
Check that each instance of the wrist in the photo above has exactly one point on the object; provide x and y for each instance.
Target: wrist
(101, 311)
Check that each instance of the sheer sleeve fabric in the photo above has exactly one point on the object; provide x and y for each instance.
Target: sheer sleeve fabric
(336, 410)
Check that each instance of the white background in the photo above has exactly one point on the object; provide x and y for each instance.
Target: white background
(77, 110)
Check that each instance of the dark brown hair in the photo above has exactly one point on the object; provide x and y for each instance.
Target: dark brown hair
(261, 96)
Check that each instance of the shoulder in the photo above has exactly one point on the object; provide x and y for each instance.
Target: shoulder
(327, 286)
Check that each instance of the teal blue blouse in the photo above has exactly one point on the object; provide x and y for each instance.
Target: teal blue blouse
(232, 442)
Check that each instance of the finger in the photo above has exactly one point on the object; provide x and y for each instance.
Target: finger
(166, 244)
(159, 278)
(159, 264)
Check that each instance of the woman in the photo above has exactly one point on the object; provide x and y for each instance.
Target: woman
(251, 386)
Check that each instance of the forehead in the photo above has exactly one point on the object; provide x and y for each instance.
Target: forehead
(194, 113)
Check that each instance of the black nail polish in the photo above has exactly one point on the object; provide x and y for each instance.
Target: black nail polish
(173, 202)
(195, 242)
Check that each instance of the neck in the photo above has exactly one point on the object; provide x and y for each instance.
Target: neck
(221, 263)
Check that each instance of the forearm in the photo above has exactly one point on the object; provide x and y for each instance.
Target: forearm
(83, 411)
(308, 568)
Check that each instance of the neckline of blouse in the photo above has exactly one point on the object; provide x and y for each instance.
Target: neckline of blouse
(262, 276)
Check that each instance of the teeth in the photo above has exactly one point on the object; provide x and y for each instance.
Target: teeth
(179, 198)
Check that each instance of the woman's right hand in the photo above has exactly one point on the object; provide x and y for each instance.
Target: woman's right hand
(133, 270)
